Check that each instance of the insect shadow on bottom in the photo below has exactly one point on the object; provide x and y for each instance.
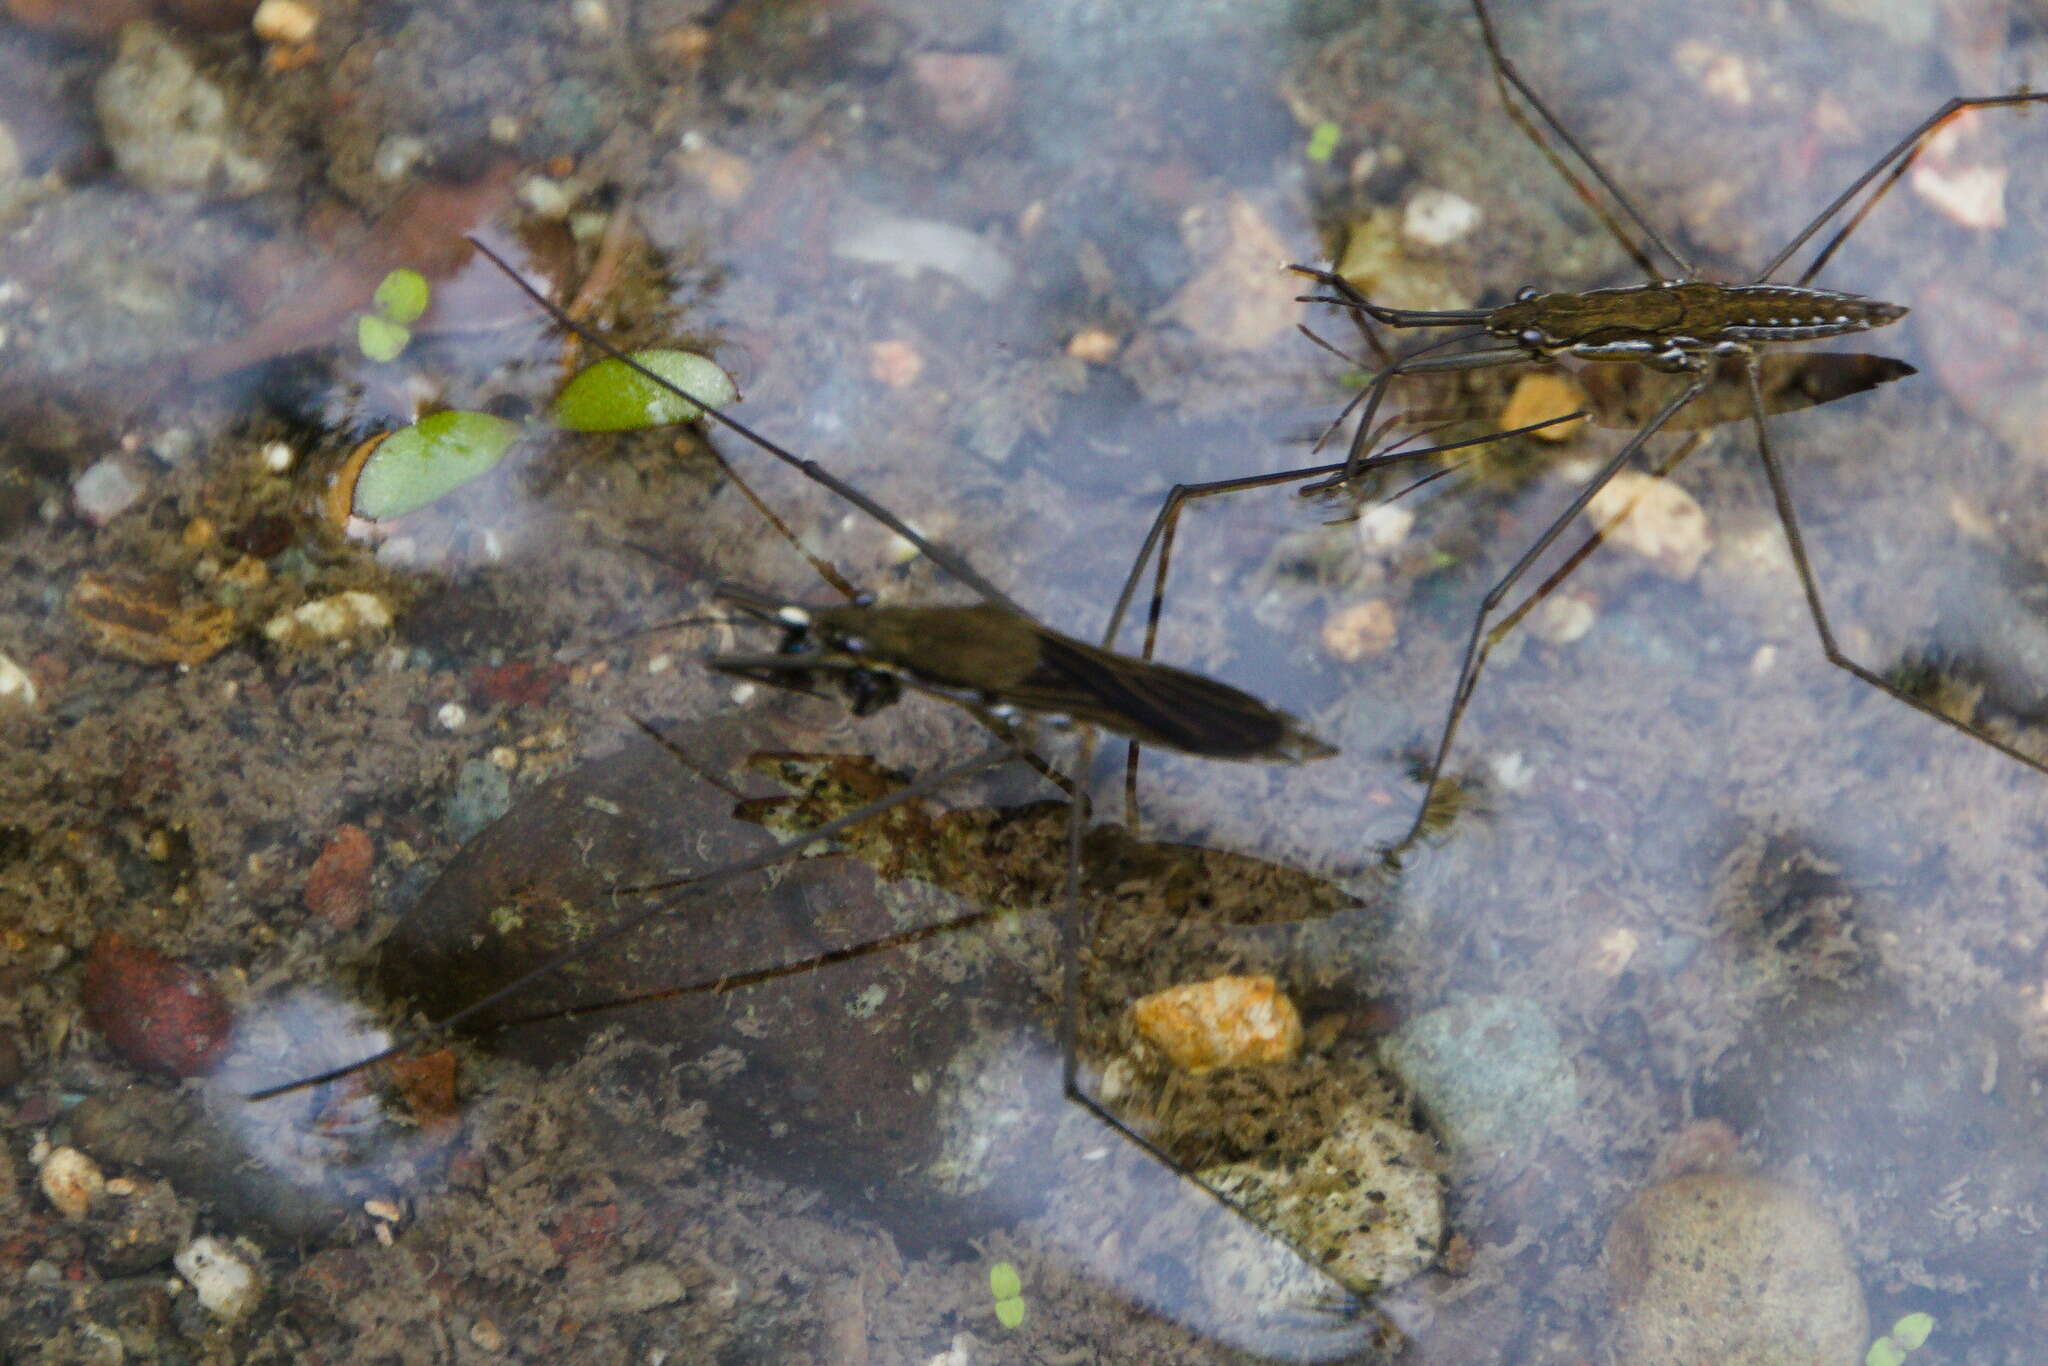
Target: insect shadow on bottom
(1674, 325)
(1006, 668)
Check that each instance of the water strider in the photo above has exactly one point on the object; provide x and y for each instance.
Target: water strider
(1673, 324)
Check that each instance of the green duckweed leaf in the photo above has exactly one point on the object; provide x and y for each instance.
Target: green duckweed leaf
(1884, 1352)
(1004, 1281)
(1911, 1332)
(416, 465)
(401, 297)
(1010, 1313)
(381, 339)
(611, 396)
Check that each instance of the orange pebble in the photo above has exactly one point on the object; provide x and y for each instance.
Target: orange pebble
(1223, 1022)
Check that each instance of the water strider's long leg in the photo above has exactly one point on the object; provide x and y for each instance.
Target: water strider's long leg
(1905, 152)
(1505, 74)
(1481, 641)
(1789, 519)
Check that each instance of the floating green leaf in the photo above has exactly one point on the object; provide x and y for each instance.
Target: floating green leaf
(416, 465)
(1008, 1288)
(1911, 1332)
(401, 297)
(1884, 1352)
(381, 339)
(1322, 142)
(611, 396)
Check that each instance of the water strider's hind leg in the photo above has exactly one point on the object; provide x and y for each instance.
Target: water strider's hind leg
(1504, 76)
(1900, 159)
(1810, 585)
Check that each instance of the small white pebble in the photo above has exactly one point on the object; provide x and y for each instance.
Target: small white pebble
(901, 550)
(16, 687)
(594, 17)
(227, 1284)
(1364, 630)
(486, 1337)
(120, 1185)
(277, 457)
(1763, 661)
(1614, 951)
(348, 613)
(1384, 527)
(285, 21)
(1720, 73)
(504, 129)
(397, 155)
(661, 664)
(105, 491)
(507, 758)
(1512, 772)
(71, 1181)
(174, 445)
(451, 715)
(545, 197)
(383, 1209)
(742, 694)
(1563, 618)
(1437, 218)
(1659, 520)
(1973, 196)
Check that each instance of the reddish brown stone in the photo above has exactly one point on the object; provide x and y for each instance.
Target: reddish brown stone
(428, 1085)
(155, 1011)
(520, 684)
(338, 887)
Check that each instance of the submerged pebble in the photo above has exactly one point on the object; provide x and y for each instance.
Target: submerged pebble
(71, 1182)
(1364, 630)
(158, 1013)
(1539, 396)
(876, 237)
(1660, 521)
(148, 620)
(105, 491)
(168, 126)
(1730, 1267)
(1489, 1071)
(1366, 1201)
(340, 616)
(1223, 1022)
(227, 1282)
(17, 688)
(483, 792)
(1437, 218)
(338, 887)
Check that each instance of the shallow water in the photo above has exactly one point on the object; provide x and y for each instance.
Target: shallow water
(1775, 918)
